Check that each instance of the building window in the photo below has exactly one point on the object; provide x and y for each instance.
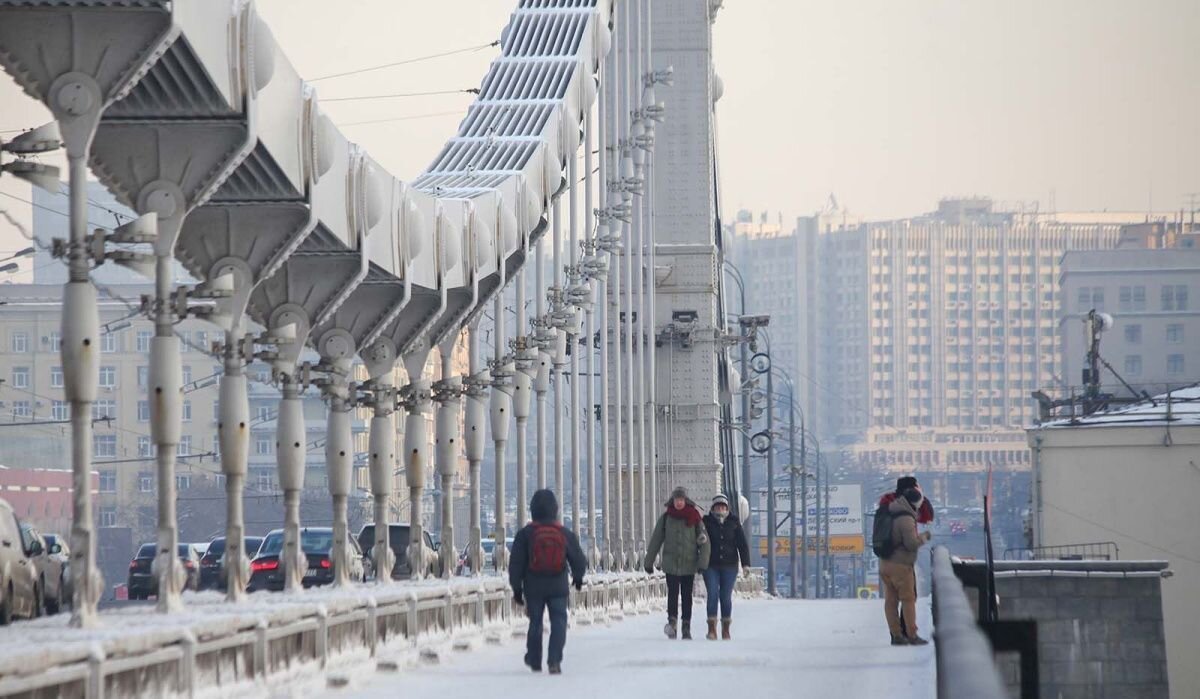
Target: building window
(1174, 364)
(1133, 334)
(262, 445)
(19, 342)
(143, 376)
(56, 377)
(202, 341)
(143, 411)
(108, 377)
(20, 377)
(187, 411)
(1133, 364)
(108, 480)
(216, 446)
(1131, 298)
(105, 409)
(145, 448)
(184, 448)
(108, 343)
(59, 410)
(20, 408)
(183, 481)
(145, 482)
(108, 516)
(143, 340)
(55, 341)
(187, 375)
(1090, 297)
(262, 413)
(104, 445)
(264, 481)
(1175, 333)
(1174, 297)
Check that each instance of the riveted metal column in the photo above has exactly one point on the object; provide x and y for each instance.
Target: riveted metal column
(233, 430)
(382, 464)
(290, 457)
(447, 445)
(475, 431)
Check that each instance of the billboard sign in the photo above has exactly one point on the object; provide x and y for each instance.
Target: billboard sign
(845, 510)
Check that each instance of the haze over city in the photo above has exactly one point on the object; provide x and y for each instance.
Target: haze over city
(355, 339)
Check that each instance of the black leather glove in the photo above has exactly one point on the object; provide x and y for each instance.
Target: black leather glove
(650, 568)
(518, 597)
(579, 584)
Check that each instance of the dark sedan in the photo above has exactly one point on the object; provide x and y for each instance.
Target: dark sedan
(142, 581)
(266, 570)
(212, 563)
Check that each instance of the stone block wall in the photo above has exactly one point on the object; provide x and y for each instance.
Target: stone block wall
(1099, 625)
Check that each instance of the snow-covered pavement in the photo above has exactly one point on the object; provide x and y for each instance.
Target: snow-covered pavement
(836, 649)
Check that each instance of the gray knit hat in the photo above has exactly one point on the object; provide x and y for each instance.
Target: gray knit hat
(720, 499)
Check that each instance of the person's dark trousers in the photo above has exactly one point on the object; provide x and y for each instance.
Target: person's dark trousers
(679, 588)
(719, 583)
(535, 607)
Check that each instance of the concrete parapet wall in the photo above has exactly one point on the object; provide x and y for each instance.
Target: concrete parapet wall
(1099, 625)
(214, 646)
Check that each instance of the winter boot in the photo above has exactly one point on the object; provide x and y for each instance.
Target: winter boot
(536, 667)
(554, 669)
(669, 629)
(687, 631)
(712, 629)
(899, 640)
(915, 640)
(725, 624)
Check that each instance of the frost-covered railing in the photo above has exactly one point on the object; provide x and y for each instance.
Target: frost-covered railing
(217, 646)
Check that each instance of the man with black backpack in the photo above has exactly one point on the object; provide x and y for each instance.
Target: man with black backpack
(537, 571)
(895, 541)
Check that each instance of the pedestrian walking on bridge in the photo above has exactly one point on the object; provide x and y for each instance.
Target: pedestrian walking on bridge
(727, 542)
(541, 553)
(681, 537)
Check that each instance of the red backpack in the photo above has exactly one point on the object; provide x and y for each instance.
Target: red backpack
(547, 549)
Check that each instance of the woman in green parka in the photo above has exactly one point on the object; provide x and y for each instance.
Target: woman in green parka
(683, 540)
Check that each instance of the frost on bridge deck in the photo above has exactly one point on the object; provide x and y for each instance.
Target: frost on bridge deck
(831, 648)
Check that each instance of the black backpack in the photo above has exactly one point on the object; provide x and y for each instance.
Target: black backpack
(881, 531)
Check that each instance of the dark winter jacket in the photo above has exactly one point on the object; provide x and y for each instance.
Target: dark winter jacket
(728, 542)
(905, 539)
(544, 509)
(685, 546)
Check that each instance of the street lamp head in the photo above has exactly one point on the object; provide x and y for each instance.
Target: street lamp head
(40, 140)
(758, 321)
(38, 174)
(10, 267)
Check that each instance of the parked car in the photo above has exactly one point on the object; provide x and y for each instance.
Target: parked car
(489, 551)
(57, 546)
(142, 582)
(398, 538)
(20, 595)
(210, 564)
(266, 570)
(49, 570)
(251, 544)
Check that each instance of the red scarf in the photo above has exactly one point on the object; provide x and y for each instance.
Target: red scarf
(689, 514)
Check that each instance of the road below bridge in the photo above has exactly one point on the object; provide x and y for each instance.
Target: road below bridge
(781, 648)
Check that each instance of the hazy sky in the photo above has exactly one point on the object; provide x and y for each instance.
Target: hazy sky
(888, 105)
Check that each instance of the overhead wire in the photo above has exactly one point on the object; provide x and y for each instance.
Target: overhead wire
(470, 91)
(406, 61)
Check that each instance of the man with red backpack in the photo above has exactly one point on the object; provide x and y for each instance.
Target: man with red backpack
(537, 571)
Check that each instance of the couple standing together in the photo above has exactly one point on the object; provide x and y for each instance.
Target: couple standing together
(544, 551)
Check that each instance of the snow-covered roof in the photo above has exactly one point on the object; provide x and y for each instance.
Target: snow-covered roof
(1179, 407)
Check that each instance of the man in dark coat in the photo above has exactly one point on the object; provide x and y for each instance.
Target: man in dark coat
(541, 554)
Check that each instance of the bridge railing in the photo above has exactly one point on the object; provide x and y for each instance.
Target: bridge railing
(222, 646)
(966, 667)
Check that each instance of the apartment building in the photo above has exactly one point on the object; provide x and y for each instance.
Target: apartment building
(1153, 296)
